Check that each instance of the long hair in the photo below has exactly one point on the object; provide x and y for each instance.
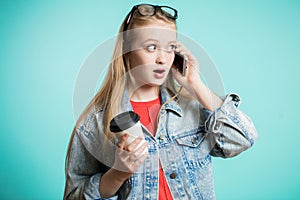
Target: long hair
(109, 97)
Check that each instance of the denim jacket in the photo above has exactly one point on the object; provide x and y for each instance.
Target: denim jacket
(186, 138)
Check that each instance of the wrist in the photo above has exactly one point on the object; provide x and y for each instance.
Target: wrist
(111, 182)
(119, 176)
(197, 84)
(194, 86)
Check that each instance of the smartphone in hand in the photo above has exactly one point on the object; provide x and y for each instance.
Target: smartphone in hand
(180, 62)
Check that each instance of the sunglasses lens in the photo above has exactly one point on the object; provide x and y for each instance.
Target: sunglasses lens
(146, 10)
(169, 12)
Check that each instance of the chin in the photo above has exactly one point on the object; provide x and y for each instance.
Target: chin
(157, 83)
(153, 82)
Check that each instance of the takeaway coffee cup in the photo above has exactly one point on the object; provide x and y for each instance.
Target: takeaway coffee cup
(127, 122)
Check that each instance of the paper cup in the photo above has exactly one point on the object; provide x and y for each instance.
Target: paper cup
(127, 122)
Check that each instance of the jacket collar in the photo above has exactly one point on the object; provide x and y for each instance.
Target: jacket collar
(171, 105)
(165, 96)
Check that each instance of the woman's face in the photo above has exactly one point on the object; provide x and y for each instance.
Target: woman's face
(152, 53)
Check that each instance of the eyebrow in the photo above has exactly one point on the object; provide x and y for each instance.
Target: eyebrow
(158, 41)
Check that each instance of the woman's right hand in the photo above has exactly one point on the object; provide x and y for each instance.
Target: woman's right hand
(128, 157)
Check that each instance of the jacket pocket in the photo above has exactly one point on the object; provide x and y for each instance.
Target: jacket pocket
(193, 147)
(191, 138)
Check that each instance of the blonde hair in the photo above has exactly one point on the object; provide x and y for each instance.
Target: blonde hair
(109, 97)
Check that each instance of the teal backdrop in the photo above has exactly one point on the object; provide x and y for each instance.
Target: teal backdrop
(254, 44)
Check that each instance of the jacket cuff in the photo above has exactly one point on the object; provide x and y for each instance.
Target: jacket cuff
(231, 129)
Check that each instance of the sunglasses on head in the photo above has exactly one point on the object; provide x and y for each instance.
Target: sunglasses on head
(150, 10)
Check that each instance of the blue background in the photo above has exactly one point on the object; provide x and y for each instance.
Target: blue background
(254, 44)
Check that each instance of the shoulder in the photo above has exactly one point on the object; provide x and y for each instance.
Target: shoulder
(89, 119)
(191, 109)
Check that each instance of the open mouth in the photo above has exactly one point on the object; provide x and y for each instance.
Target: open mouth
(159, 71)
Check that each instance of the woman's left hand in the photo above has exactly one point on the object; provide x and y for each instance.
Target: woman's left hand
(192, 77)
(192, 82)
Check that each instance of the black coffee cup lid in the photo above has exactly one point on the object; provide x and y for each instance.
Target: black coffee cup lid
(123, 121)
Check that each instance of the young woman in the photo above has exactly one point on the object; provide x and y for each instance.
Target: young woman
(184, 123)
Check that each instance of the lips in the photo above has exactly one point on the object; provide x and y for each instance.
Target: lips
(159, 73)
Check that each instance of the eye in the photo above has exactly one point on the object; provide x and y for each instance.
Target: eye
(151, 47)
(171, 48)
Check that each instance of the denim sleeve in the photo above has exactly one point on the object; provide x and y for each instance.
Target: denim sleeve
(83, 173)
(230, 130)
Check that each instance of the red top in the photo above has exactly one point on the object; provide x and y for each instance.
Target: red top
(148, 112)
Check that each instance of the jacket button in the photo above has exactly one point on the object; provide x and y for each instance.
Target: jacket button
(235, 98)
(162, 137)
(173, 175)
(194, 141)
(217, 126)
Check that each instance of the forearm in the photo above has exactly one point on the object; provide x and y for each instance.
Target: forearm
(110, 183)
(205, 96)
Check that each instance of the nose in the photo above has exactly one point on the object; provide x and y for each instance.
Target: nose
(161, 57)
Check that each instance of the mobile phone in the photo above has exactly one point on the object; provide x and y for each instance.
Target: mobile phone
(180, 62)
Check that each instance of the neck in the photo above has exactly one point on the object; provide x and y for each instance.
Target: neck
(144, 93)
